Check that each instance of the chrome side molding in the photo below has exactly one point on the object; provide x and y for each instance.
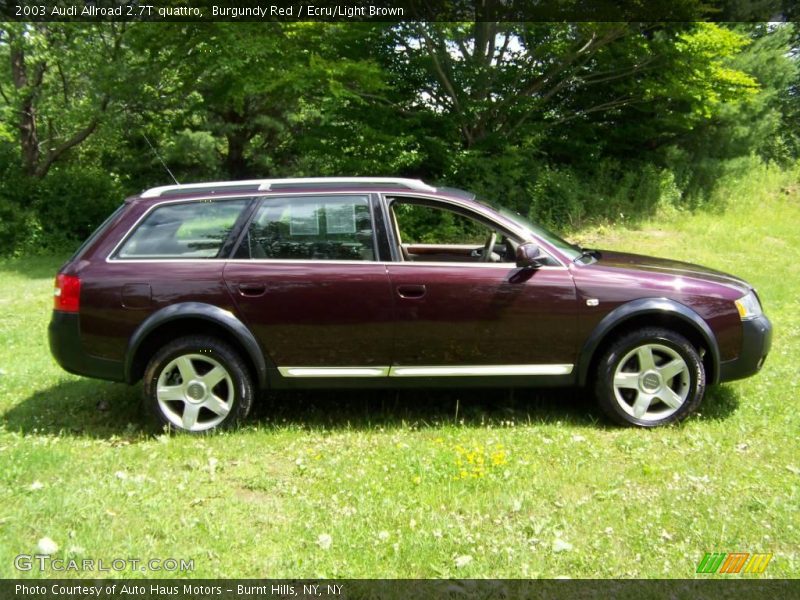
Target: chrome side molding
(428, 371)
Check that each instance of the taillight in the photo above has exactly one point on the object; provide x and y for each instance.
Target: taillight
(67, 294)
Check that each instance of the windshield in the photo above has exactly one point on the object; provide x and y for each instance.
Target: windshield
(570, 250)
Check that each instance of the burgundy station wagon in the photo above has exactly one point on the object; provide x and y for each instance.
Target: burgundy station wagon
(213, 292)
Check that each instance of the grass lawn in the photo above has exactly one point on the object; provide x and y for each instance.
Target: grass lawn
(416, 484)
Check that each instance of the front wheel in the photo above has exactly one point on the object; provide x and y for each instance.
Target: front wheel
(650, 377)
(198, 384)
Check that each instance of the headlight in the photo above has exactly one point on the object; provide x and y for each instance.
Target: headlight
(749, 306)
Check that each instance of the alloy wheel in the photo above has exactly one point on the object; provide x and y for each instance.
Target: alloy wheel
(195, 392)
(651, 382)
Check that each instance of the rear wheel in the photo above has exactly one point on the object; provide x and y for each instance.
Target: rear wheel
(650, 377)
(198, 384)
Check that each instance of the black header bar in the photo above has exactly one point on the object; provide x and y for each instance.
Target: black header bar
(400, 10)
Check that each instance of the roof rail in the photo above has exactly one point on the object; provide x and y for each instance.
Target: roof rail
(265, 185)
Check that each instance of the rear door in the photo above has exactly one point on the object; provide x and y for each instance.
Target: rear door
(307, 281)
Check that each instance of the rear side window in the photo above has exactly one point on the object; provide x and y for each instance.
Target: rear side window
(311, 228)
(98, 232)
(186, 230)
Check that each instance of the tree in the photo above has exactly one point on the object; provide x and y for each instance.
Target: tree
(256, 87)
(64, 79)
(500, 82)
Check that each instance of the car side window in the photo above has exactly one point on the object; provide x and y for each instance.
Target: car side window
(337, 227)
(183, 230)
(435, 233)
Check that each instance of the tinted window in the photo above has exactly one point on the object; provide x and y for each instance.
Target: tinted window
(439, 234)
(311, 228)
(186, 230)
(420, 224)
(97, 232)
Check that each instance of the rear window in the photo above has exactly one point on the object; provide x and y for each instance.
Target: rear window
(185, 230)
(97, 233)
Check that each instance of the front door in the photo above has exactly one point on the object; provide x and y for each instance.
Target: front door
(471, 311)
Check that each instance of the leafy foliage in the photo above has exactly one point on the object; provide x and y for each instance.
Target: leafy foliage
(564, 122)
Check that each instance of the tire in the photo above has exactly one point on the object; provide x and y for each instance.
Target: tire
(198, 384)
(650, 377)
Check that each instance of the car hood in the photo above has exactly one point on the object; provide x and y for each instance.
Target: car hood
(673, 267)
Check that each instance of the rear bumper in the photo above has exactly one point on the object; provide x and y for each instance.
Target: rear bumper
(756, 342)
(64, 334)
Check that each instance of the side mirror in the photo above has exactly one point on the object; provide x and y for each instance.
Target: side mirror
(528, 256)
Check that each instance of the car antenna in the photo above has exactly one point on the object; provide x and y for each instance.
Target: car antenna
(160, 159)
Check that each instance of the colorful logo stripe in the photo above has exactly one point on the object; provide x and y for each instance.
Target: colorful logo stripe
(733, 562)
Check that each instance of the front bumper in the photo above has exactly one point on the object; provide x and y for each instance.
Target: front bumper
(65, 345)
(756, 342)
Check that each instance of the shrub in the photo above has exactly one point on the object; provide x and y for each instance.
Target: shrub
(18, 223)
(71, 202)
(19, 228)
(55, 213)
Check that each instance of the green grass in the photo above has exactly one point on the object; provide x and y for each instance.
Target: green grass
(410, 484)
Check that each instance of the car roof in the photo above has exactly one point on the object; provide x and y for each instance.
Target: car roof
(268, 185)
(263, 187)
(396, 186)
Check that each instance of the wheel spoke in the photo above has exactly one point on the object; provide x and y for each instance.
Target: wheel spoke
(641, 405)
(626, 380)
(646, 361)
(169, 393)
(213, 377)
(186, 369)
(190, 412)
(217, 405)
(671, 369)
(670, 397)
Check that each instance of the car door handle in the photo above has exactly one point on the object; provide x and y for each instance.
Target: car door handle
(411, 292)
(252, 289)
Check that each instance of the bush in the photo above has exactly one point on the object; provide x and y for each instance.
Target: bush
(559, 199)
(71, 202)
(565, 197)
(55, 213)
(20, 230)
(19, 226)
(507, 179)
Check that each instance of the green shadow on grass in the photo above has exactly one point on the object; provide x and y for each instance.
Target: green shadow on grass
(89, 408)
(720, 402)
(363, 410)
(81, 408)
(570, 407)
(106, 410)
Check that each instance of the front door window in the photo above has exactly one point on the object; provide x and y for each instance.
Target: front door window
(429, 233)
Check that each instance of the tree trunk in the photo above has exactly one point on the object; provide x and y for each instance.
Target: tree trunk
(235, 163)
(26, 123)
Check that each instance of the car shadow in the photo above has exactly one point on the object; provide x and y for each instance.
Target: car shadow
(107, 410)
(96, 409)
(82, 407)
(720, 402)
(423, 408)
